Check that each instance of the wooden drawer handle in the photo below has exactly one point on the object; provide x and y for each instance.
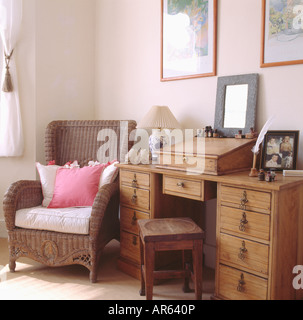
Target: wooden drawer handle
(134, 197)
(242, 252)
(241, 284)
(243, 201)
(134, 219)
(134, 240)
(134, 182)
(243, 222)
(181, 184)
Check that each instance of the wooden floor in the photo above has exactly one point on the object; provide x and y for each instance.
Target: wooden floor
(33, 281)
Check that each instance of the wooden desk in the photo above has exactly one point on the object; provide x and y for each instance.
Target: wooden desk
(259, 232)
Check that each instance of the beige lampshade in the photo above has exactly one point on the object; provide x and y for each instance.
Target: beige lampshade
(159, 117)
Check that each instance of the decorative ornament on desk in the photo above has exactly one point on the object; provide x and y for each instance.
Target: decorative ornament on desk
(158, 140)
(252, 134)
(256, 148)
(137, 156)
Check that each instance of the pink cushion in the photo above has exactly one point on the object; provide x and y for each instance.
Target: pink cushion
(76, 187)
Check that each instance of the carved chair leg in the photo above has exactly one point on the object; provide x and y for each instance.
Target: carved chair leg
(12, 264)
(93, 276)
(12, 259)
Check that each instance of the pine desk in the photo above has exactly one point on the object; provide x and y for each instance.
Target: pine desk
(259, 232)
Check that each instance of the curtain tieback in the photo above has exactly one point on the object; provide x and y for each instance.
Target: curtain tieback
(7, 84)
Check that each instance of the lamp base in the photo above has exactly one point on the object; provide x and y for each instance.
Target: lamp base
(157, 141)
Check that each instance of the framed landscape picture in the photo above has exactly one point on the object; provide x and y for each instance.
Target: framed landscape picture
(280, 150)
(188, 39)
(282, 32)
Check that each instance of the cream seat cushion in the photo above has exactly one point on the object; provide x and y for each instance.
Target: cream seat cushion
(66, 220)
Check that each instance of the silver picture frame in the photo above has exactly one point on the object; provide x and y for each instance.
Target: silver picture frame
(232, 91)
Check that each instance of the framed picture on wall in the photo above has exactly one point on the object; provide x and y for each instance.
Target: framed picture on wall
(282, 32)
(280, 150)
(188, 39)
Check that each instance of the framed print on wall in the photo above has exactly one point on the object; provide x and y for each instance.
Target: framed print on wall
(280, 150)
(282, 32)
(188, 39)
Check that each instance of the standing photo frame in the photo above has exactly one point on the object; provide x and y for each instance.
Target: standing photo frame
(282, 33)
(188, 39)
(280, 150)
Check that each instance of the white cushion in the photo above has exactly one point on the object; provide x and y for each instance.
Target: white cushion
(109, 174)
(47, 177)
(66, 220)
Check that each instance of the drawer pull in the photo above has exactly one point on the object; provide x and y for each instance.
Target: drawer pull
(243, 222)
(134, 182)
(134, 219)
(243, 201)
(134, 240)
(180, 184)
(241, 284)
(242, 252)
(134, 197)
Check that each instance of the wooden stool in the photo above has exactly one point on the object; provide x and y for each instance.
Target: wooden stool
(165, 235)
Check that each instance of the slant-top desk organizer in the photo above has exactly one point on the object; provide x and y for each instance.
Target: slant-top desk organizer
(259, 226)
(215, 156)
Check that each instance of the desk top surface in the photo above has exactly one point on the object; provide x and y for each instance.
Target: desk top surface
(237, 179)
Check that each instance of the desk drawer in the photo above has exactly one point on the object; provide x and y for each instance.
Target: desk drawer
(237, 285)
(245, 223)
(130, 246)
(250, 200)
(129, 217)
(136, 198)
(183, 188)
(135, 179)
(240, 252)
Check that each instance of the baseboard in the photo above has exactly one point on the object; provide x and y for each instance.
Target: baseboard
(3, 232)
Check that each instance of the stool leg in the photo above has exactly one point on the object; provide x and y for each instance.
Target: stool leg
(149, 262)
(186, 268)
(142, 290)
(198, 267)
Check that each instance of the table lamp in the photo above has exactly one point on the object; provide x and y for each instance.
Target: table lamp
(158, 118)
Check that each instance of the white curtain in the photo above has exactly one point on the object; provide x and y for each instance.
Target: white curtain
(11, 134)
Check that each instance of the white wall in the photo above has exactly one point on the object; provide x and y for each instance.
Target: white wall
(55, 61)
(128, 73)
(128, 67)
(65, 56)
(12, 169)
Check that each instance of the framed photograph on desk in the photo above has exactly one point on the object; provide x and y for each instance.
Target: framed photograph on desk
(280, 150)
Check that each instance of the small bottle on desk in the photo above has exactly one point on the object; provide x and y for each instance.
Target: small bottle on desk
(261, 175)
(239, 135)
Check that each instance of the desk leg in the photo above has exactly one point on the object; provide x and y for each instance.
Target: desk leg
(198, 267)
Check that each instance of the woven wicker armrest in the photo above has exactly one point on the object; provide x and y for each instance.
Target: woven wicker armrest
(21, 194)
(105, 195)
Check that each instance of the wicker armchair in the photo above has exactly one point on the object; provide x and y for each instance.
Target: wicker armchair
(66, 141)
